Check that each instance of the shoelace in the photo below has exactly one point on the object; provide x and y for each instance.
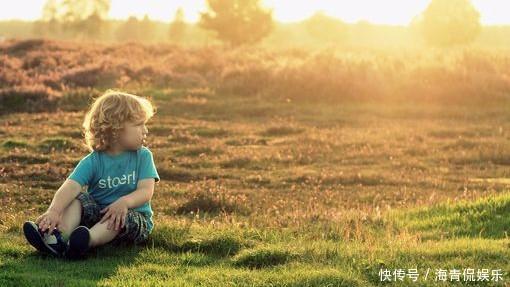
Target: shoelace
(55, 239)
(50, 238)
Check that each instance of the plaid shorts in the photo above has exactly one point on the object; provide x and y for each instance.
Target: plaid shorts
(135, 229)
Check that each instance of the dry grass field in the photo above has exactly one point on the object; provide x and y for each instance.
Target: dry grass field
(278, 168)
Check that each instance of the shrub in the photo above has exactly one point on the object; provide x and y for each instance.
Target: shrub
(27, 99)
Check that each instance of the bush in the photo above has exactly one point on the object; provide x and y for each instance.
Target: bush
(77, 99)
(39, 68)
(93, 75)
(28, 99)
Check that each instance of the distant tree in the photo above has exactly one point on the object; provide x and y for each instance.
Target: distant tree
(129, 30)
(148, 29)
(237, 22)
(47, 26)
(76, 10)
(50, 10)
(177, 27)
(136, 30)
(446, 23)
(325, 28)
(80, 17)
(93, 26)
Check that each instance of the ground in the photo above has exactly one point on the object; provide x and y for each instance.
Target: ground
(258, 192)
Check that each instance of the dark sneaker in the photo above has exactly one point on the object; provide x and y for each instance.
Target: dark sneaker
(44, 241)
(78, 243)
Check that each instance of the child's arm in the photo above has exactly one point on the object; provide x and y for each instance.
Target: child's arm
(116, 212)
(53, 216)
(64, 195)
(142, 194)
(146, 180)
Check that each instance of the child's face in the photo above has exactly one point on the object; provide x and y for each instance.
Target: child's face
(133, 135)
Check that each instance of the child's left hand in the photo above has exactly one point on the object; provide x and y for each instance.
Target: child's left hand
(116, 213)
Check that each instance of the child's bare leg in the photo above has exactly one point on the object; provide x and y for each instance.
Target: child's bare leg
(71, 218)
(99, 234)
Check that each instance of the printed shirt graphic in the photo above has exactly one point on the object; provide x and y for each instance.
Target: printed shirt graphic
(111, 177)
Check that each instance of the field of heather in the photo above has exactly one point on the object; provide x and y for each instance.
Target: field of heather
(287, 167)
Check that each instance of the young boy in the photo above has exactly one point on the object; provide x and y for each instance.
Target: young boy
(120, 175)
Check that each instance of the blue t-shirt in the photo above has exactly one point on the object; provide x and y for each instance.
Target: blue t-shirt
(111, 177)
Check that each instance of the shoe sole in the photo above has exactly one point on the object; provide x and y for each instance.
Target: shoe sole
(31, 231)
(79, 242)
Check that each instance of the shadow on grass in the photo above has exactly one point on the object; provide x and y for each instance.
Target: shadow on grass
(22, 265)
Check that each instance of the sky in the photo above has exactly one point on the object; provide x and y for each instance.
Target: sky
(393, 12)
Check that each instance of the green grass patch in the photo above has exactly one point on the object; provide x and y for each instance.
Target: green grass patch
(56, 144)
(14, 143)
(484, 218)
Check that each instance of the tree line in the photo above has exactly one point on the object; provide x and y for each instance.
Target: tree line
(243, 22)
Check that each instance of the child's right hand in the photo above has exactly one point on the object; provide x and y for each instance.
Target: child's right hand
(49, 220)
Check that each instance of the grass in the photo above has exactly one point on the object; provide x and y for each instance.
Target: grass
(483, 218)
(306, 195)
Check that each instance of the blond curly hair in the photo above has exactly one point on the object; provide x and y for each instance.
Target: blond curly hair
(108, 114)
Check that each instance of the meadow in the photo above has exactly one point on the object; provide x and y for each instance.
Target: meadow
(278, 167)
